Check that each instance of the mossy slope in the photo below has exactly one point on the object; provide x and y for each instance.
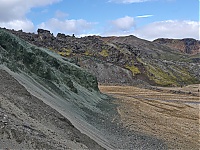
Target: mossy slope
(21, 56)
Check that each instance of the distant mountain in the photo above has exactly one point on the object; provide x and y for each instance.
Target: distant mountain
(123, 60)
(187, 45)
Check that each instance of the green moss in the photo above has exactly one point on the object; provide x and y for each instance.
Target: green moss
(183, 76)
(133, 69)
(160, 77)
(104, 53)
(51, 48)
(140, 60)
(65, 52)
(42, 65)
(87, 53)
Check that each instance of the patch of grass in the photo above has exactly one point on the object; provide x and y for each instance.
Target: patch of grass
(140, 60)
(172, 75)
(185, 76)
(133, 69)
(104, 53)
(65, 52)
(51, 48)
(161, 77)
(87, 53)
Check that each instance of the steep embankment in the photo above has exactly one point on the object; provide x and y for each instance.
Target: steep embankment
(123, 60)
(62, 85)
(69, 90)
(28, 123)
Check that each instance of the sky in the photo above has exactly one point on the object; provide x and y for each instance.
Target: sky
(146, 19)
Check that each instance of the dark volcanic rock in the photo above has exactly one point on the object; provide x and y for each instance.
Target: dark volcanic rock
(160, 62)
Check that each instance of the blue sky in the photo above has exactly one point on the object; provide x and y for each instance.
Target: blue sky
(147, 19)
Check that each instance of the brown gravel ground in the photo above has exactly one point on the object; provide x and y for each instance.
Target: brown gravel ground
(171, 117)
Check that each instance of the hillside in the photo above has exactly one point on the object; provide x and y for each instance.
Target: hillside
(122, 60)
(28, 123)
(47, 102)
(187, 45)
(53, 80)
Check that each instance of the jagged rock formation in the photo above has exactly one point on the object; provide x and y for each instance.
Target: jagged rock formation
(122, 60)
(187, 45)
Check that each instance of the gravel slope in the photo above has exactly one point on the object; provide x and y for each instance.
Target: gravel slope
(27, 123)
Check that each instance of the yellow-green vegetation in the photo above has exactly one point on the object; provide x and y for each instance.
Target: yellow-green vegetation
(185, 76)
(65, 52)
(140, 60)
(133, 69)
(87, 53)
(169, 78)
(124, 51)
(51, 48)
(161, 77)
(104, 53)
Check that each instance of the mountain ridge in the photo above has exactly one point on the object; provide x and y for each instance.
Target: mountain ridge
(186, 45)
(122, 60)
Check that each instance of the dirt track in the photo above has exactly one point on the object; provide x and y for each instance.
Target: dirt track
(162, 114)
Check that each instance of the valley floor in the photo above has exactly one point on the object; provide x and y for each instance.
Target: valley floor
(163, 113)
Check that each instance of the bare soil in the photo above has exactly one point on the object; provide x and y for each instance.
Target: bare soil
(170, 116)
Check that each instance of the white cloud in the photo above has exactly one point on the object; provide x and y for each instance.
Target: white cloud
(176, 29)
(26, 25)
(13, 12)
(169, 29)
(60, 14)
(128, 1)
(144, 16)
(123, 24)
(79, 26)
(17, 9)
